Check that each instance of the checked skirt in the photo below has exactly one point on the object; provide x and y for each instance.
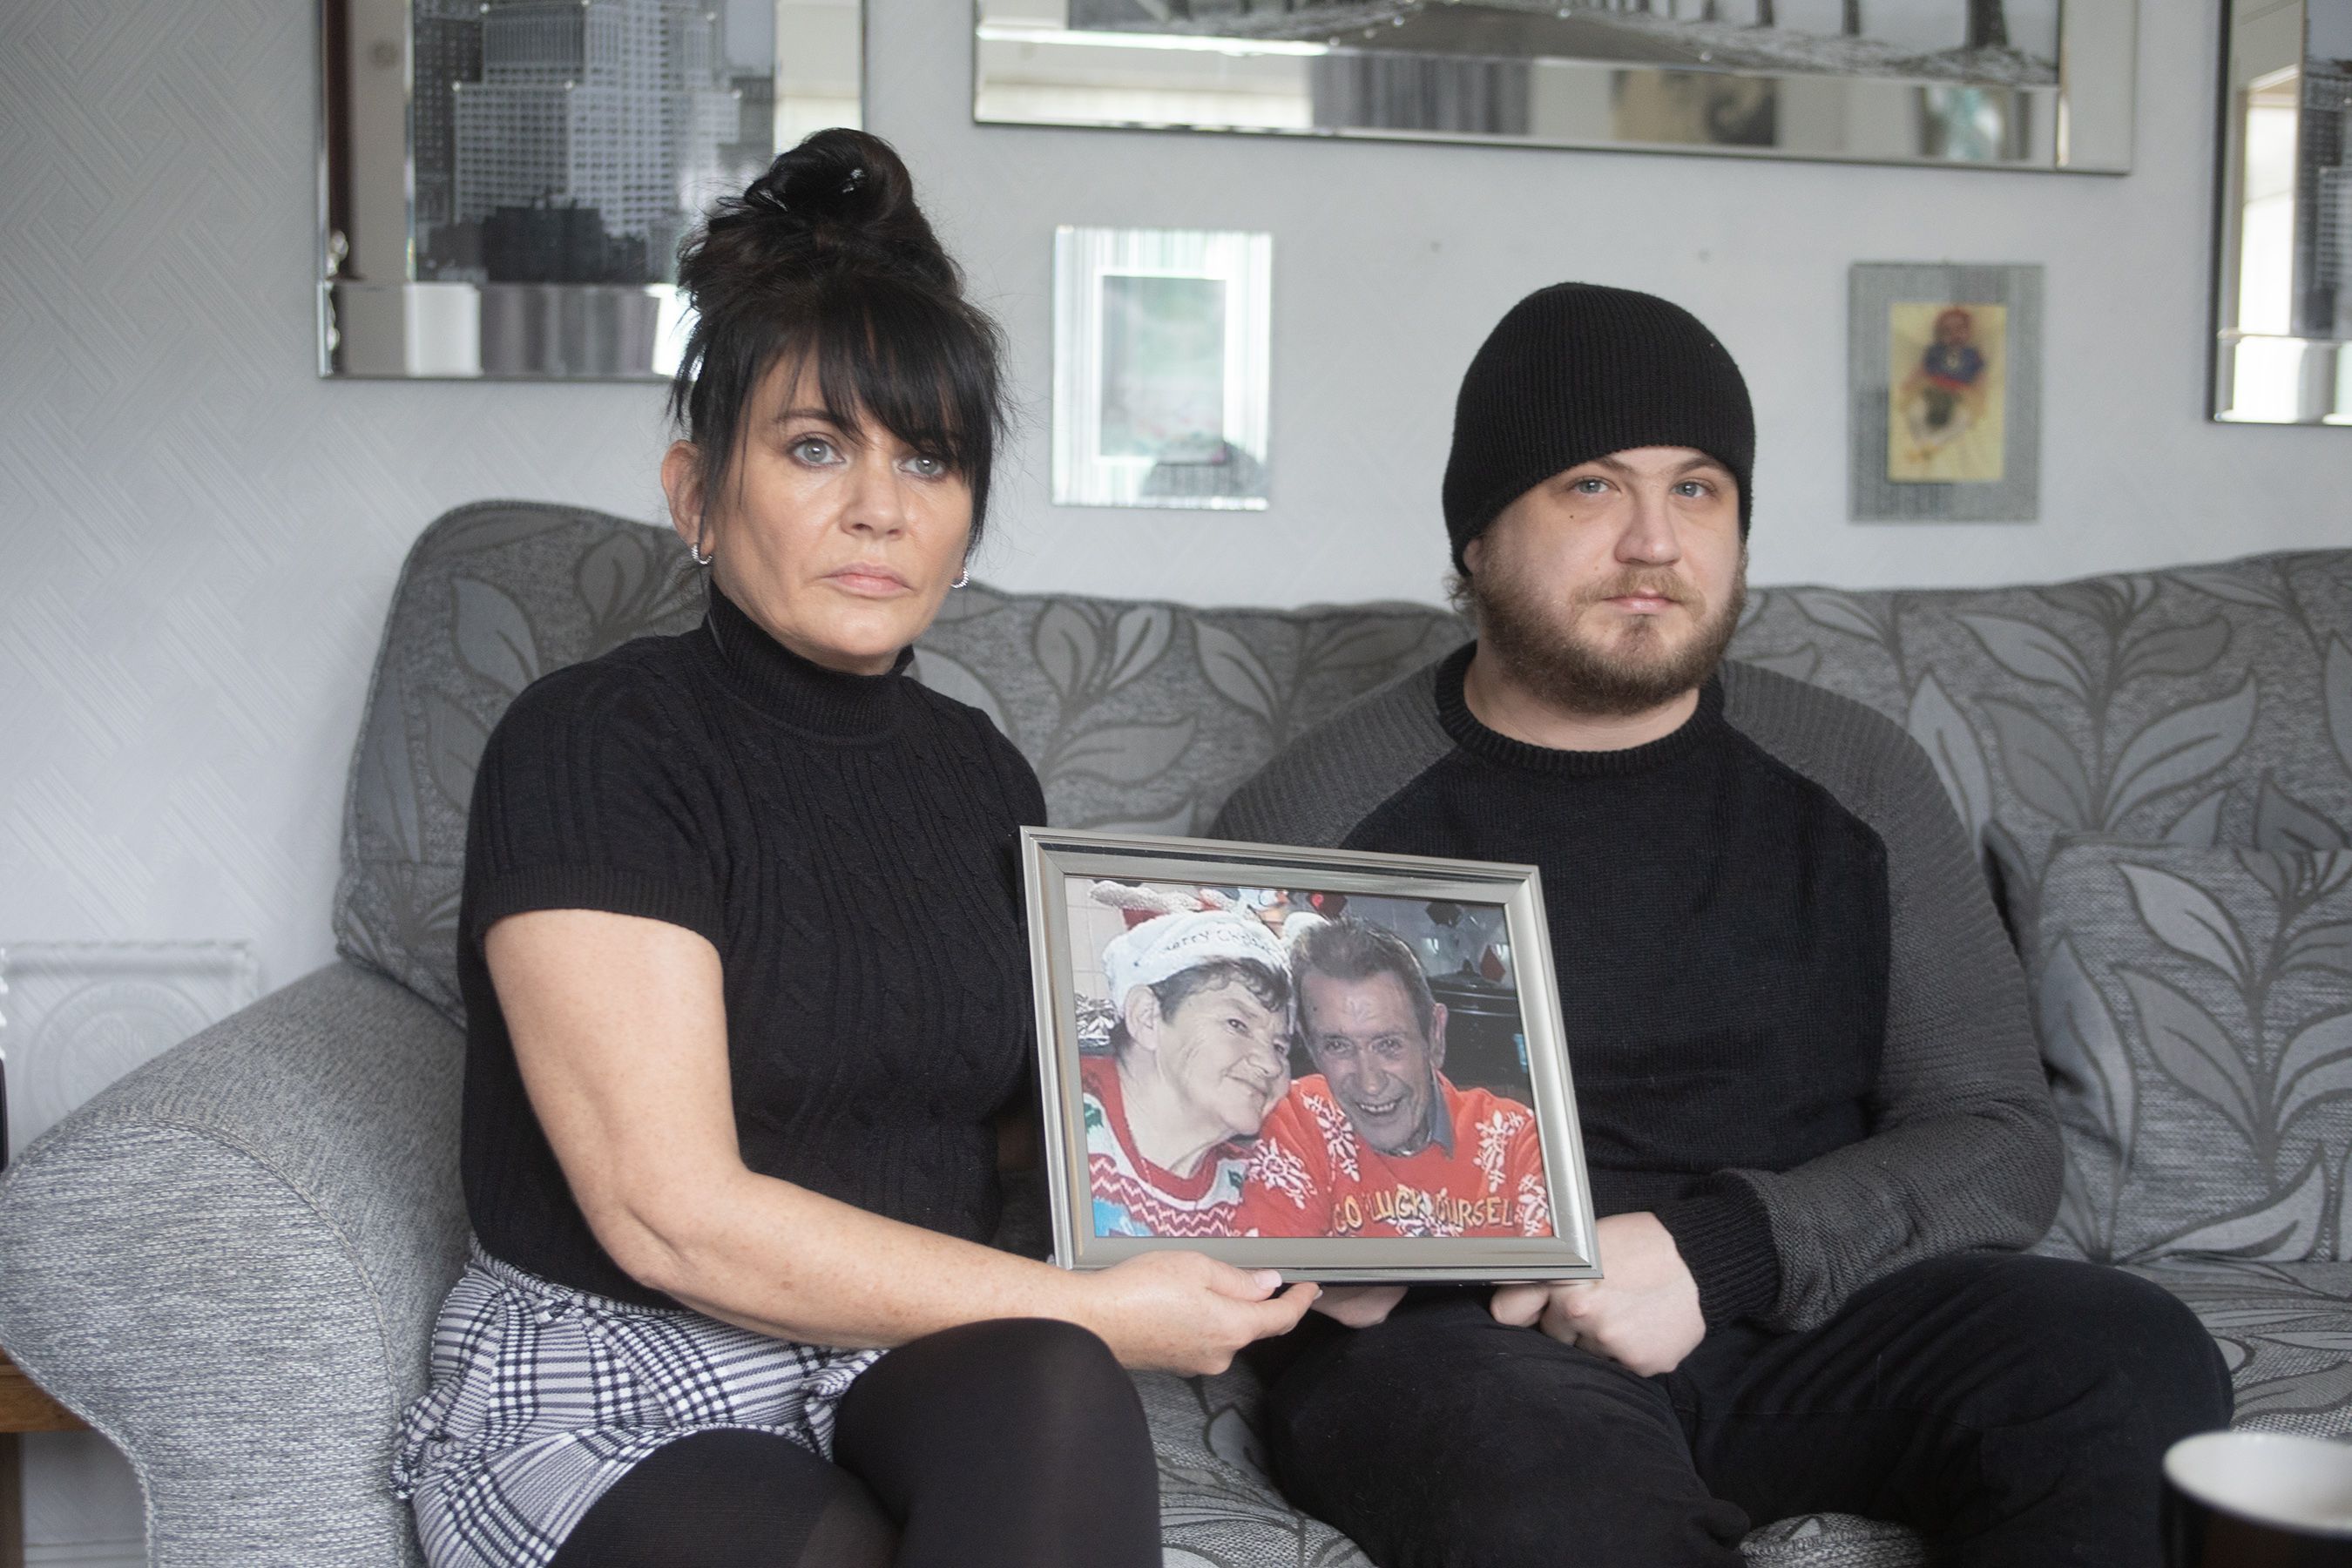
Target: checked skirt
(542, 1396)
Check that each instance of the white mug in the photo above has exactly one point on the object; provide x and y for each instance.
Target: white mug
(2257, 1500)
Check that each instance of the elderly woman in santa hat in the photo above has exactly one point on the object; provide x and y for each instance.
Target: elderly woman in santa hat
(1199, 1053)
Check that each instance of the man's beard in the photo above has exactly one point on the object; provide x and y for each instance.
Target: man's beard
(1532, 637)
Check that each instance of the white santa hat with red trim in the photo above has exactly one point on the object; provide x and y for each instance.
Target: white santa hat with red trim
(1169, 944)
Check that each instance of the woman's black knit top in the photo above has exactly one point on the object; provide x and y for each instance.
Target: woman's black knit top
(847, 843)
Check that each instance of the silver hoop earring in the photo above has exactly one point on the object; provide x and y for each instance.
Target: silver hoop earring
(963, 579)
(700, 558)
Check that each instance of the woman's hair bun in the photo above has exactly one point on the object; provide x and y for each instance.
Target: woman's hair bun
(843, 191)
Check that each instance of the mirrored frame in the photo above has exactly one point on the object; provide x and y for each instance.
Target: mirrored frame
(1659, 77)
(2283, 215)
(502, 184)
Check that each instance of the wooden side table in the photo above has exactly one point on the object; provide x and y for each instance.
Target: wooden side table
(23, 1409)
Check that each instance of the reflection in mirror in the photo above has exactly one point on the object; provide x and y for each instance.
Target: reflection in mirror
(2002, 83)
(2283, 288)
(505, 182)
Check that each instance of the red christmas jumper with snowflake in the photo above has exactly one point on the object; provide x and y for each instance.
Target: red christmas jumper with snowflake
(1310, 1174)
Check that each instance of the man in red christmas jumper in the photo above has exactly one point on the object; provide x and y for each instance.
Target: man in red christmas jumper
(1376, 1142)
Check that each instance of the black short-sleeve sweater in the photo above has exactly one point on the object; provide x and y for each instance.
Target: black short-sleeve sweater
(847, 844)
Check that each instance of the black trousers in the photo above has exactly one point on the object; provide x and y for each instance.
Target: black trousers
(1018, 1443)
(2014, 1409)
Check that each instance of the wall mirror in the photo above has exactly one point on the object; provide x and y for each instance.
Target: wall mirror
(2283, 265)
(502, 184)
(2010, 84)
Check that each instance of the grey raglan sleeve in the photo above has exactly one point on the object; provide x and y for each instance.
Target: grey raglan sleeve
(1332, 777)
(1963, 1152)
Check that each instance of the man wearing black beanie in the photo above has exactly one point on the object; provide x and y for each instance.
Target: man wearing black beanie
(1812, 1108)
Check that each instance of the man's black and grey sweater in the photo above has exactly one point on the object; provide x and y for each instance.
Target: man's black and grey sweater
(1797, 1032)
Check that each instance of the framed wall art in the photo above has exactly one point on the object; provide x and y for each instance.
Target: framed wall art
(2013, 84)
(1945, 379)
(1162, 367)
(2283, 226)
(503, 183)
(1338, 1065)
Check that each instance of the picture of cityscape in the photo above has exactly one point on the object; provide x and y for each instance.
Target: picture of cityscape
(574, 141)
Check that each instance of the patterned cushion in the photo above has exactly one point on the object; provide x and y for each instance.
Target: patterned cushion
(2195, 1007)
(2162, 705)
(2286, 1330)
(1144, 717)
(492, 597)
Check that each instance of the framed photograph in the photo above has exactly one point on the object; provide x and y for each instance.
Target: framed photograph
(1946, 381)
(2009, 84)
(1341, 1066)
(503, 183)
(1162, 365)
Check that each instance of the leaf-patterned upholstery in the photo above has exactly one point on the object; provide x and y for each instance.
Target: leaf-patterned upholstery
(2196, 1010)
(2196, 707)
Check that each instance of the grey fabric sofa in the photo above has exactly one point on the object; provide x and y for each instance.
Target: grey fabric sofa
(229, 1261)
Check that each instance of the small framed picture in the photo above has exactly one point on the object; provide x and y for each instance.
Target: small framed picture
(1946, 380)
(1162, 360)
(1338, 1065)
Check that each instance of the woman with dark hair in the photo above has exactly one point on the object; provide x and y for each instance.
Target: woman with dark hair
(742, 951)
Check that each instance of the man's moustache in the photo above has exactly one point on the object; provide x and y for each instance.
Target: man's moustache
(1669, 588)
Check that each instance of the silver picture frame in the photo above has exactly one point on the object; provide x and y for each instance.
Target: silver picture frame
(2045, 85)
(1982, 461)
(1509, 897)
(1162, 368)
(502, 184)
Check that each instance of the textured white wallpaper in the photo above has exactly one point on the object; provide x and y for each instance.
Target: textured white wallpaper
(198, 538)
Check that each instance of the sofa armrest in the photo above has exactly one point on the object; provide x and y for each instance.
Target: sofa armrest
(229, 1263)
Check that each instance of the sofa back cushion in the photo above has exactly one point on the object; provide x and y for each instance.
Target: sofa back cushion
(2195, 1008)
(2166, 705)
(2161, 706)
(1136, 715)
(1143, 717)
(492, 596)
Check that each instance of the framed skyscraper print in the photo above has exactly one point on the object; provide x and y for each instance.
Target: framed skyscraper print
(503, 183)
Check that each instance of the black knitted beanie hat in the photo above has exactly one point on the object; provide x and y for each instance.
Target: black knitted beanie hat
(1576, 371)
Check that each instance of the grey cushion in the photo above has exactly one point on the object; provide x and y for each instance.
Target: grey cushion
(1146, 716)
(2195, 1006)
(2286, 1330)
(492, 597)
(2156, 706)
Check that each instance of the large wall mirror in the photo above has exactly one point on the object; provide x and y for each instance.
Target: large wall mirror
(503, 182)
(2010, 84)
(2283, 273)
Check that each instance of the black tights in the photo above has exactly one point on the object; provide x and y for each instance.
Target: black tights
(1013, 1444)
